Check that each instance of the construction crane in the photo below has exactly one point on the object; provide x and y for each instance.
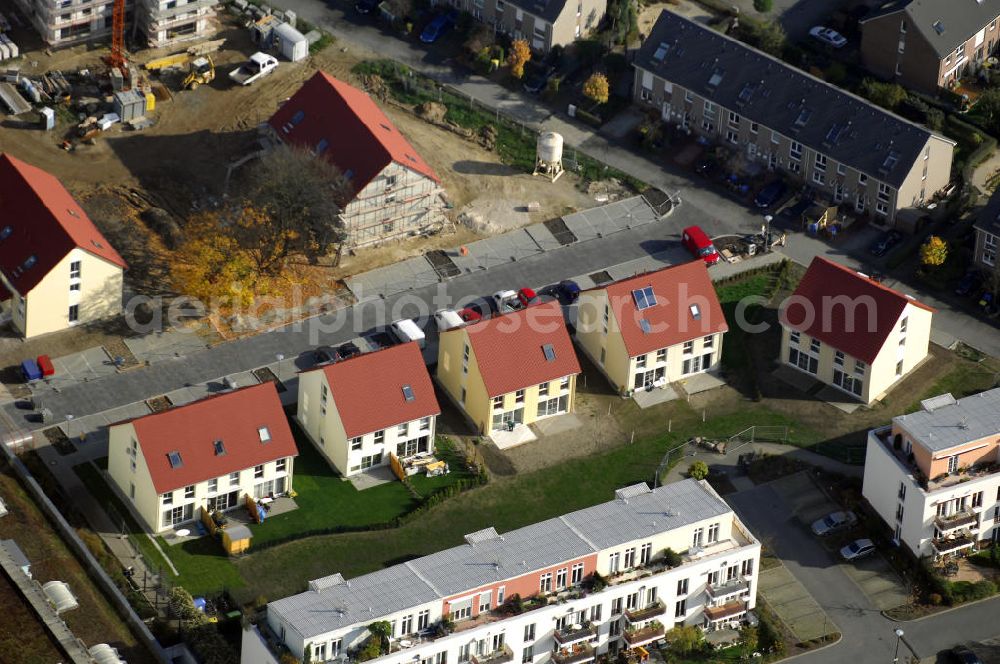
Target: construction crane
(117, 58)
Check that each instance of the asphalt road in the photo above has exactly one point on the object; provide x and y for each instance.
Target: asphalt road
(868, 636)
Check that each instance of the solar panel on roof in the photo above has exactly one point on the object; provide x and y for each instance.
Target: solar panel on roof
(644, 298)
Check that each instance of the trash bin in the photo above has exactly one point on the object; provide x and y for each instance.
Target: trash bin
(510, 426)
(30, 370)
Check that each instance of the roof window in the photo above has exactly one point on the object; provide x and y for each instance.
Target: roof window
(219, 448)
(716, 78)
(175, 459)
(550, 352)
(298, 117)
(695, 312)
(321, 146)
(265, 434)
(661, 51)
(644, 298)
(5, 232)
(408, 393)
(30, 262)
(938, 27)
(644, 324)
(804, 115)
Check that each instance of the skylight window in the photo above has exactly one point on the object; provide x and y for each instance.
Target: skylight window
(644, 324)
(644, 298)
(938, 27)
(5, 232)
(408, 393)
(550, 352)
(348, 174)
(716, 78)
(890, 161)
(175, 459)
(833, 135)
(661, 51)
(695, 312)
(746, 93)
(30, 262)
(265, 434)
(804, 116)
(298, 117)
(219, 447)
(321, 146)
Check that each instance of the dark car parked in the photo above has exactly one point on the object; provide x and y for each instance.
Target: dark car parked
(350, 349)
(888, 240)
(969, 284)
(538, 78)
(771, 194)
(568, 291)
(963, 655)
(325, 354)
(366, 6)
(439, 25)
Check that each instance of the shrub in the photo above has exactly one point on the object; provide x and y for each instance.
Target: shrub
(597, 88)
(698, 470)
(671, 557)
(763, 6)
(520, 54)
(886, 95)
(934, 599)
(934, 251)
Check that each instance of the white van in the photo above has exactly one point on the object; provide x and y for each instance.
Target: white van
(406, 330)
(447, 319)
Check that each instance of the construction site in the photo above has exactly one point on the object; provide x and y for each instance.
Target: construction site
(144, 139)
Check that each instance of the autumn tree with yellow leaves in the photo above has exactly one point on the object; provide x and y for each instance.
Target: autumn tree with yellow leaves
(597, 88)
(520, 55)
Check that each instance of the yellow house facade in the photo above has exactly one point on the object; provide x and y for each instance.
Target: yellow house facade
(510, 370)
(655, 328)
(862, 338)
(56, 269)
(359, 411)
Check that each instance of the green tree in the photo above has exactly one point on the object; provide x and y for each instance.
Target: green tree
(698, 470)
(763, 6)
(886, 95)
(934, 251)
(597, 88)
(671, 557)
(382, 631)
(988, 109)
(768, 36)
(685, 639)
(748, 640)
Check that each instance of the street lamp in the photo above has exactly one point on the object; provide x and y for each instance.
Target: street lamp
(899, 637)
(280, 357)
(767, 232)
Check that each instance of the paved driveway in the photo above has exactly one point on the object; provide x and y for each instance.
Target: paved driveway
(879, 581)
(793, 604)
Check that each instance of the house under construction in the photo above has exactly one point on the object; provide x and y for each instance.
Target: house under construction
(396, 193)
(162, 22)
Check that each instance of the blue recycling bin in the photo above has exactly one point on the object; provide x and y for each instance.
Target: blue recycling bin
(30, 370)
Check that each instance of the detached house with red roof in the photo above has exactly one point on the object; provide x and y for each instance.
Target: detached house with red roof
(655, 328)
(510, 370)
(395, 193)
(56, 269)
(851, 332)
(361, 410)
(206, 455)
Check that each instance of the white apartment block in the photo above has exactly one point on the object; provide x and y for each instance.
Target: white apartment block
(934, 475)
(564, 617)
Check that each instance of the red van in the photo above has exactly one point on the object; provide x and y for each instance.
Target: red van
(697, 242)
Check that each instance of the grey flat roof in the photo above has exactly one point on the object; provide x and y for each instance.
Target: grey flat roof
(945, 426)
(776, 95)
(335, 603)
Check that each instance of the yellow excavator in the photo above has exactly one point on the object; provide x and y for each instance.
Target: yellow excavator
(201, 71)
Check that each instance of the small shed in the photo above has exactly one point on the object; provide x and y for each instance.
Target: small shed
(818, 216)
(17, 556)
(130, 105)
(60, 596)
(292, 43)
(236, 539)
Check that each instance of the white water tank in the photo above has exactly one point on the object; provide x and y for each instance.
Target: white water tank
(550, 147)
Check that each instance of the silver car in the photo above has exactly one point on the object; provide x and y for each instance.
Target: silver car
(833, 522)
(857, 549)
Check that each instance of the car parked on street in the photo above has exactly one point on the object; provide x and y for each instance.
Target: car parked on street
(537, 78)
(887, 241)
(828, 36)
(527, 296)
(833, 522)
(505, 301)
(963, 655)
(857, 549)
(567, 290)
(771, 194)
(366, 6)
(324, 354)
(471, 313)
(698, 243)
(438, 26)
(969, 284)
(347, 350)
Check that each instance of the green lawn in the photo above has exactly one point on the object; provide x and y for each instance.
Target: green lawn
(963, 380)
(762, 284)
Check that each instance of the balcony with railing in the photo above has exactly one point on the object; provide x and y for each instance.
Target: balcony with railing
(957, 521)
(501, 656)
(655, 609)
(952, 545)
(737, 586)
(643, 635)
(578, 653)
(725, 611)
(575, 633)
(894, 446)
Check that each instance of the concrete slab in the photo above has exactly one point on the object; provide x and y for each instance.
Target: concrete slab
(188, 394)
(878, 581)
(611, 218)
(701, 383)
(797, 379)
(82, 367)
(374, 477)
(506, 439)
(838, 400)
(166, 345)
(543, 237)
(557, 424)
(793, 604)
(396, 278)
(650, 398)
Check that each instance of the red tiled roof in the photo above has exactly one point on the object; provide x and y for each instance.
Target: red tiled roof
(671, 321)
(45, 222)
(360, 140)
(192, 429)
(509, 348)
(367, 389)
(831, 323)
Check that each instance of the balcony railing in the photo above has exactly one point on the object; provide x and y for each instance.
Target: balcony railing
(946, 546)
(576, 654)
(727, 610)
(732, 587)
(963, 519)
(501, 656)
(651, 632)
(639, 615)
(575, 634)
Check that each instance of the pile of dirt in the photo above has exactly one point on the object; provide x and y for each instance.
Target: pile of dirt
(432, 112)
(605, 191)
(488, 137)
